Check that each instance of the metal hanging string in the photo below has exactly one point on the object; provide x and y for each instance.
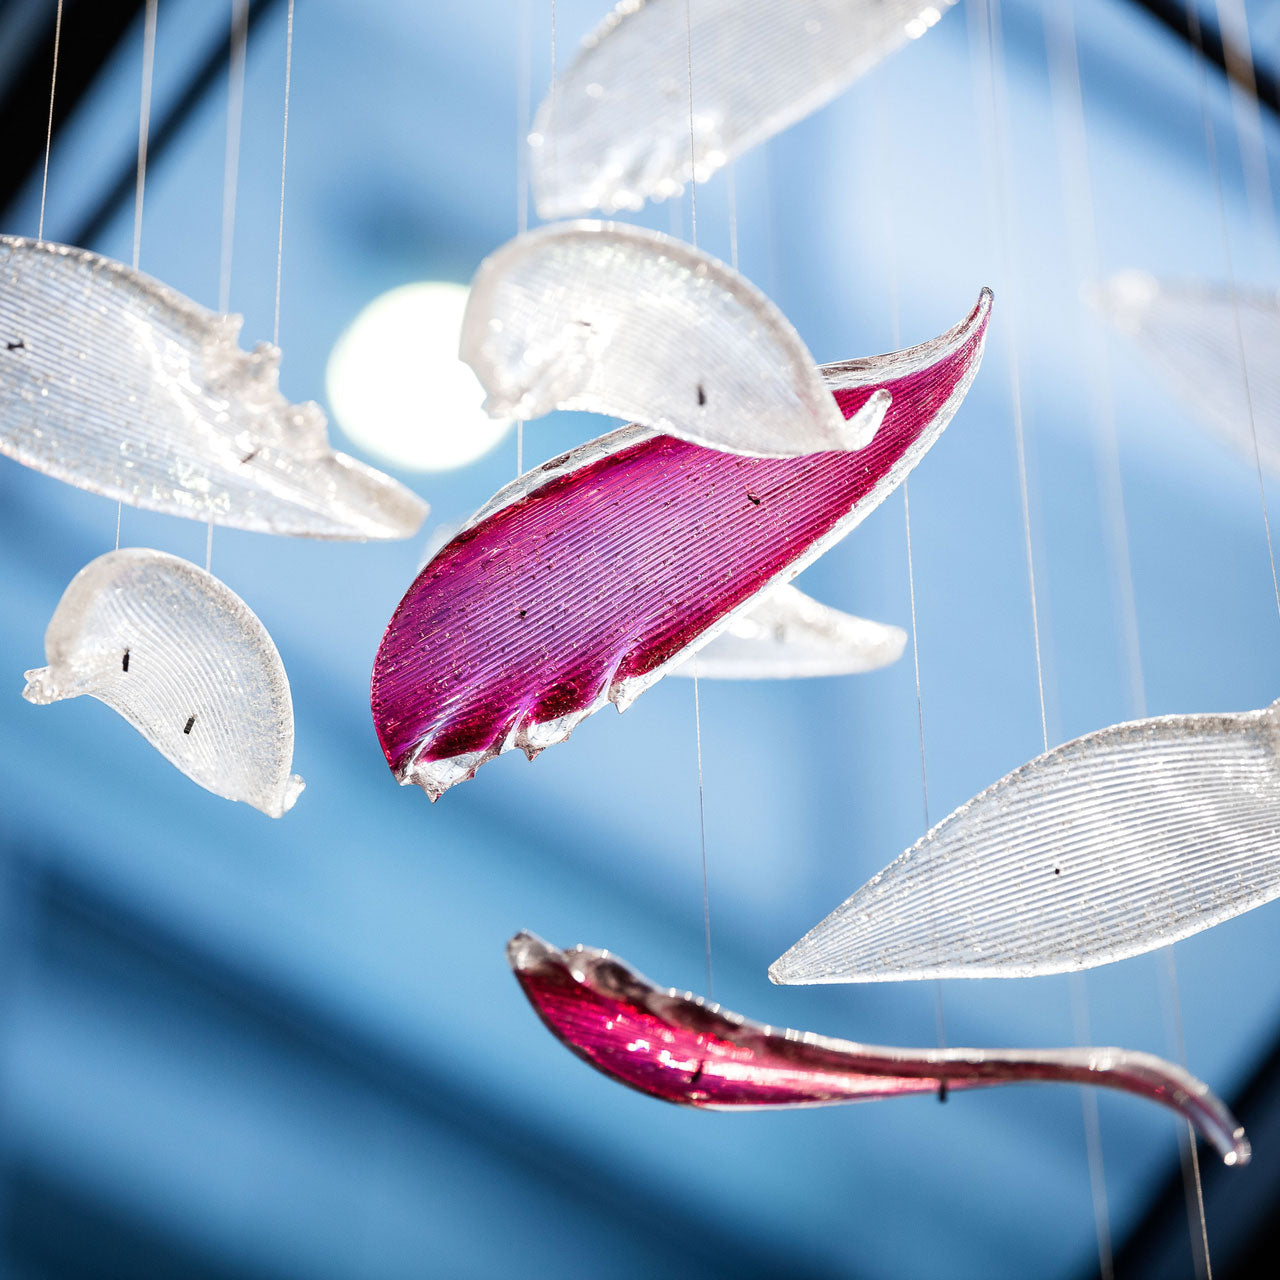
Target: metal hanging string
(284, 159)
(987, 17)
(524, 92)
(144, 127)
(48, 135)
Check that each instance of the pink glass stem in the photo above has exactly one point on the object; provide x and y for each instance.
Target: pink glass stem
(589, 577)
(678, 1048)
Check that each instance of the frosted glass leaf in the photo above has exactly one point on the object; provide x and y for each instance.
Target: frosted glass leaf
(676, 1046)
(789, 634)
(614, 130)
(631, 323)
(184, 660)
(587, 579)
(1119, 842)
(118, 384)
(1188, 331)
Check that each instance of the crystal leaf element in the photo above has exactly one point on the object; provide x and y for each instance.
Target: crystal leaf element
(587, 579)
(1188, 331)
(628, 322)
(677, 1047)
(184, 660)
(790, 634)
(1122, 841)
(621, 126)
(118, 384)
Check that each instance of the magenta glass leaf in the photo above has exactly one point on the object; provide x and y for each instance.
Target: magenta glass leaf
(585, 580)
(677, 1047)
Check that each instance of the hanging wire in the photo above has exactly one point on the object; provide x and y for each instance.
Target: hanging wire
(48, 135)
(284, 159)
(524, 94)
(987, 29)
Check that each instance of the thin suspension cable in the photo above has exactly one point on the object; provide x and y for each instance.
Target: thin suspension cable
(284, 160)
(988, 15)
(697, 700)
(144, 128)
(732, 186)
(1065, 88)
(524, 94)
(48, 135)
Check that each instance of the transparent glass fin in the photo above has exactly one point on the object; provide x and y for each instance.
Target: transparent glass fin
(631, 323)
(584, 581)
(1189, 333)
(1117, 843)
(118, 384)
(183, 659)
(677, 1047)
(789, 634)
(615, 129)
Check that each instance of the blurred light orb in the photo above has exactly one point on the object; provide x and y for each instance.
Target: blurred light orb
(397, 388)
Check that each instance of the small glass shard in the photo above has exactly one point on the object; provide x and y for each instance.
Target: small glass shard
(789, 634)
(184, 660)
(584, 581)
(627, 322)
(677, 1047)
(1189, 333)
(616, 128)
(1117, 843)
(118, 384)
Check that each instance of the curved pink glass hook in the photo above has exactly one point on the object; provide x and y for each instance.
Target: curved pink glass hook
(587, 579)
(677, 1047)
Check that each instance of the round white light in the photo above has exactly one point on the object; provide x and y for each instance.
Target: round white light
(398, 389)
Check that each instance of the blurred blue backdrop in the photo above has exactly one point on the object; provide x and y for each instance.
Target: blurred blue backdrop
(236, 1047)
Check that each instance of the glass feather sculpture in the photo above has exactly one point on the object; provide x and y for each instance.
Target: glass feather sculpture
(1114, 844)
(619, 127)
(788, 635)
(184, 660)
(1188, 332)
(677, 1047)
(589, 578)
(118, 384)
(635, 324)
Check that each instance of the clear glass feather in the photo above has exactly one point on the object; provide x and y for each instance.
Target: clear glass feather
(789, 634)
(589, 578)
(185, 661)
(635, 324)
(118, 384)
(676, 1046)
(618, 128)
(1189, 333)
(1117, 843)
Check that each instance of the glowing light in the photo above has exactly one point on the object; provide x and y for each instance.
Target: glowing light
(398, 389)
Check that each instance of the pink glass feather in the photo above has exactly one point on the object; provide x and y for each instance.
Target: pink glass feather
(587, 579)
(677, 1047)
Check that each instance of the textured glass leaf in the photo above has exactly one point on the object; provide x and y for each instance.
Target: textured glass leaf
(118, 384)
(631, 323)
(184, 660)
(789, 634)
(1188, 331)
(677, 1047)
(615, 130)
(584, 581)
(1108, 846)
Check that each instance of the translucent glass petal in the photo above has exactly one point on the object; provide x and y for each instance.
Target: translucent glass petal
(584, 581)
(677, 1047)
(118, 384)
(615, 129)
(184, 660)
(1189, 333)
(789, 634)
(1114, 844)
(628, 322)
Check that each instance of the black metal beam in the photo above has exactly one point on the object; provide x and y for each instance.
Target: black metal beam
(91, 29)
(1185, 21)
